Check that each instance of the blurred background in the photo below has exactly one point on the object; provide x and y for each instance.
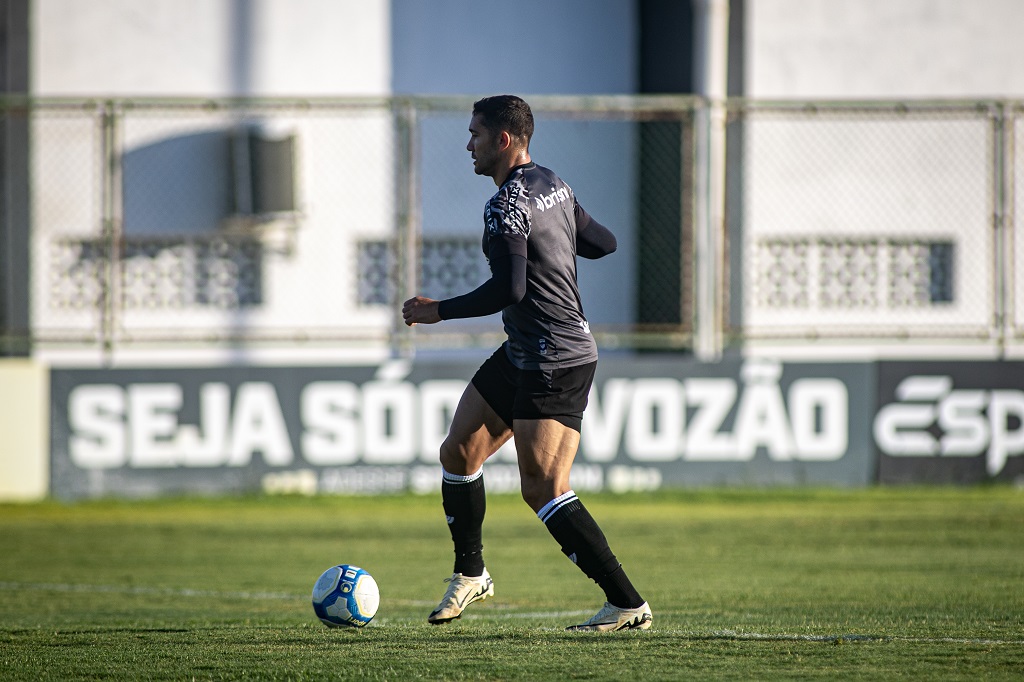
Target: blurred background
(211, 211)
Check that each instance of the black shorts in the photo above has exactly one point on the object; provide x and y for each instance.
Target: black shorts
(559, 394)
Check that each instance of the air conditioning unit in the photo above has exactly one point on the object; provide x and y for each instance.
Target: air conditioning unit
(263, 179)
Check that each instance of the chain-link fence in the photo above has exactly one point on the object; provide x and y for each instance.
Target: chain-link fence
(288, 222)
(875, 220)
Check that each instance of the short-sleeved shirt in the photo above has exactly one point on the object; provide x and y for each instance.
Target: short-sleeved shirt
(547, 328)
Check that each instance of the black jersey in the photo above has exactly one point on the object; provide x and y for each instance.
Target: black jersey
(547, 328)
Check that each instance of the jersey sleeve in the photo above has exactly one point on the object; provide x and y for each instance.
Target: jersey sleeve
(506, 287)
(593, 240)
(506, 226)
(507, 214)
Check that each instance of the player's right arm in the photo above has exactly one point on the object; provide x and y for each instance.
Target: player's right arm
(507, 226)
(420, 310)
(506, 287)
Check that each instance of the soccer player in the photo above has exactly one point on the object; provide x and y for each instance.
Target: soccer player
(536, 385)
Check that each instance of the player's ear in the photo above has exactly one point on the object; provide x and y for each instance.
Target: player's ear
(505, 140)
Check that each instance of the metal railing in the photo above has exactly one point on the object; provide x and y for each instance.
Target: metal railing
(877, 220)
(235, 223)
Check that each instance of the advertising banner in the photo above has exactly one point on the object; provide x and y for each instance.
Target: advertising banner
(652, 421)
(950, 422)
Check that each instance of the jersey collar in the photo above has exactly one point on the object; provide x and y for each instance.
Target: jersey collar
(523, 166)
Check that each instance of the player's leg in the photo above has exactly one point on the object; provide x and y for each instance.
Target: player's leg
(477, 431)
(546, 447)
(546, 451)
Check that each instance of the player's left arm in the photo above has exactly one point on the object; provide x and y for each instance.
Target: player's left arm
(593, 240)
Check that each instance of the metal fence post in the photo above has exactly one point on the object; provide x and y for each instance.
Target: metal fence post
(1003, 223)
(709, 200)
(15, 226)
(110, 174)
(408, 217)
(711, 69)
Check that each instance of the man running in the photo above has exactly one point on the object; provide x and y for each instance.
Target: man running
(536, 385)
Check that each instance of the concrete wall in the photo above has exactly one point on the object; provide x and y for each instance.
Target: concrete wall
(211, 47)
(24, 430)
(175, 166)
(126, 48)
(859, 178)
(883, 48)
(569, 47)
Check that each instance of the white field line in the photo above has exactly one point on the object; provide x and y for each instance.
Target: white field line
(124, 589)
(783, 637)
(9, 586)
(502, 614)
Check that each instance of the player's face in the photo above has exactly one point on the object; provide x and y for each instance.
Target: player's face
(483, 145)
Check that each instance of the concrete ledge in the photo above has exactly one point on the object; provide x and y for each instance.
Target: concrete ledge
(24, 430)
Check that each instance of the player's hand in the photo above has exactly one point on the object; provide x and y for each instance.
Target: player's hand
(420, 310)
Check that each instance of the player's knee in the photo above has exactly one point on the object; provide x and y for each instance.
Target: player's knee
(536, 491)
(457, 458)
(452, 457)
(531, 497)
(526, 492)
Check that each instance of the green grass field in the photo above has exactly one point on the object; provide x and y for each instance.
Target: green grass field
(774, 584)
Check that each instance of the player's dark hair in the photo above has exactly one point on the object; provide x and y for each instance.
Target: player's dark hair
(506, 112)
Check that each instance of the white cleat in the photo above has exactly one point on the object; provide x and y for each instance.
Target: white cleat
(462, 591)
(612, 618)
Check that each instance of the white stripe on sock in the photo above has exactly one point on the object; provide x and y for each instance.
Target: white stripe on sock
(456, 478)
(554, 505)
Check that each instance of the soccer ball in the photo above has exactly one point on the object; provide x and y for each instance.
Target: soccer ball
(345, 596)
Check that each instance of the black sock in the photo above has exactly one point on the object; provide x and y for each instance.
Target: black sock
(582, 541)
(464, 503)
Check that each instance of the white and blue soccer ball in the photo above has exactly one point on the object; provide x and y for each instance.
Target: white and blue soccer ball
(345, 596)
